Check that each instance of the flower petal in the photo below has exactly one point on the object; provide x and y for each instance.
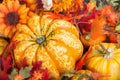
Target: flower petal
(3, 8)
(7, 30)
(2, 27)
(21, 9)
(16, 5)
(1, 21)
(10, 5)
(2, 15)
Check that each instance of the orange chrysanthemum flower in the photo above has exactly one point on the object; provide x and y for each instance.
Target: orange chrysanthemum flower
(62, 5)
(30, 3)
(36, 76)
(18, 77)
(11, 14)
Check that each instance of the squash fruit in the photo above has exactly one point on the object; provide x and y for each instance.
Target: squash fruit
(105, 59)
(55, 42)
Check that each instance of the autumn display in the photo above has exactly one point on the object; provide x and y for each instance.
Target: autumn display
(59, 39)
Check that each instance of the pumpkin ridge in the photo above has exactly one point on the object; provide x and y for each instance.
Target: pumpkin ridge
(28, 35)
(50, 26)
(66, 28)
(68, 47)
(43, 55)
(32, 56)
(32, 31)
(116, 60)
(62, 35)
(59, 60)
(21, 53)
(36, 54)
(52, 58)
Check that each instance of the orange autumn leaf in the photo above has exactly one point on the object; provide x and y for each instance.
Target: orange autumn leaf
(58, 16)
(81, 62)
(97, 29)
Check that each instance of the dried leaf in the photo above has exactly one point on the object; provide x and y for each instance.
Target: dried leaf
(81, 62)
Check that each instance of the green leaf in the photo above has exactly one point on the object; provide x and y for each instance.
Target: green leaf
(67, 75)
(25, 72)
(117, 28)
(13, 73)
(113, 2)
(95, 51)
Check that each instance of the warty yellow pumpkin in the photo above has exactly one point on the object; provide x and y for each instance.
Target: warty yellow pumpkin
(54, 42)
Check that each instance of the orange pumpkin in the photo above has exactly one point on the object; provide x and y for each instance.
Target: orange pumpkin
(54, 42)
(105, 59)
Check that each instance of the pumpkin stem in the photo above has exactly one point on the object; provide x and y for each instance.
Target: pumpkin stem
(104, 49)
(108, 52)
(41, 39)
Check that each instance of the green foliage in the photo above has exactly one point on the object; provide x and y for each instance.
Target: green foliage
(113, 2)
(13, 73)
(67, 75)
(117, 28)
(25, 72)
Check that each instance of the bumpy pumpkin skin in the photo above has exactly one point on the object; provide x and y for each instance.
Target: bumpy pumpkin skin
(82, 75)
(110, 66)
(60, 50)
(3, 44)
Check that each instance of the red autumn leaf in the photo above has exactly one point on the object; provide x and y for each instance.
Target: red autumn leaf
(37, 73)
(45, 75)
(113, 38)
(84, 23)
(6, 63)
(22, 63)
(39, 4)
(12, 46)
(3, 75)
(81, 62)
(36, 66)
